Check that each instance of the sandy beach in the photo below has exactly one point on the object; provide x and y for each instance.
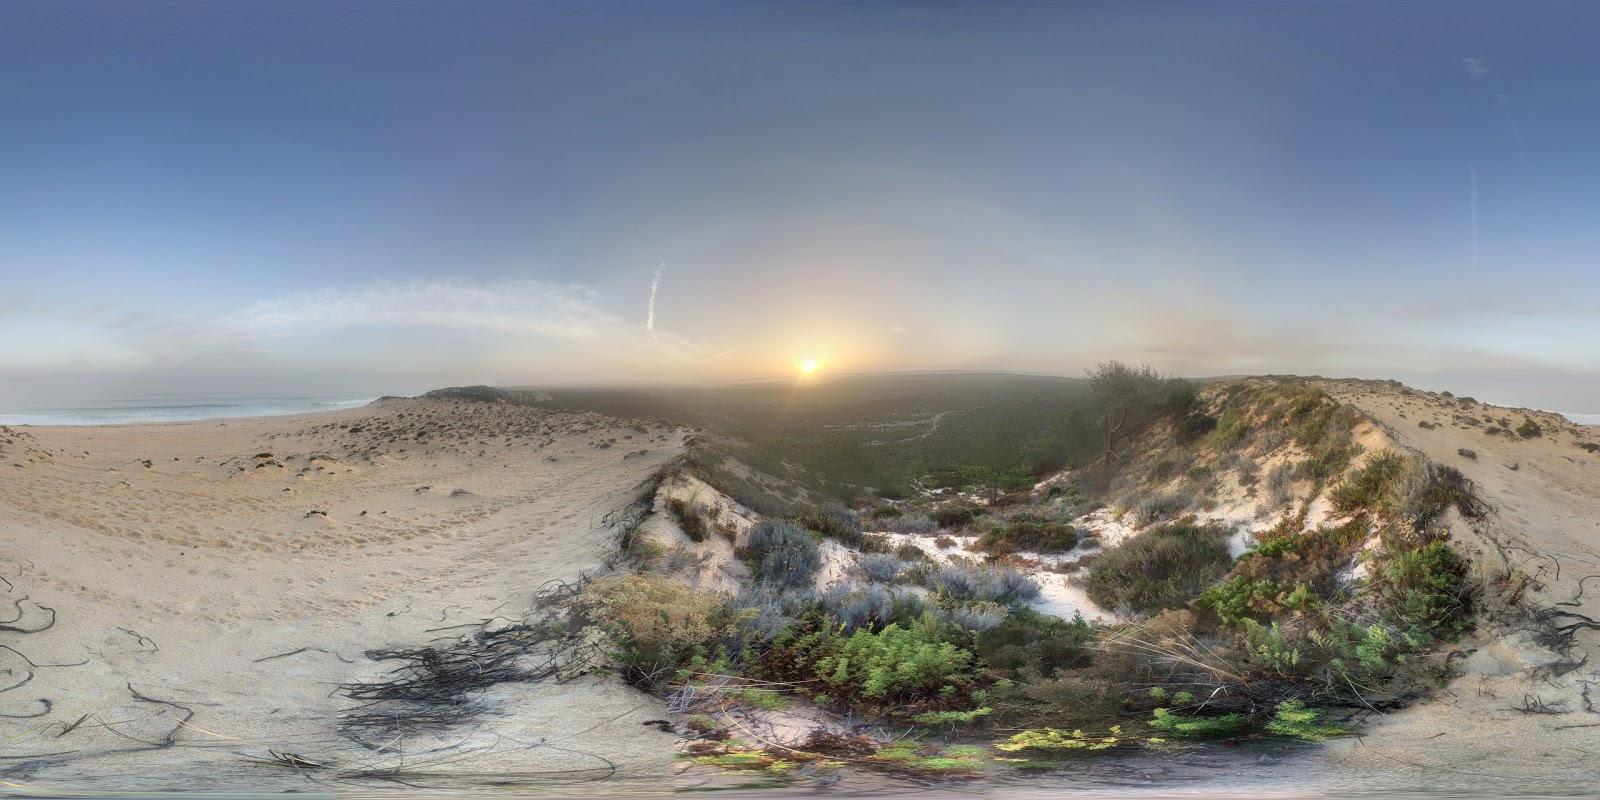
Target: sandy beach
(189, 597)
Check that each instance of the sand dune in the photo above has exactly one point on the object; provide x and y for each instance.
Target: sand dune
(1520, 715)
(212, 583)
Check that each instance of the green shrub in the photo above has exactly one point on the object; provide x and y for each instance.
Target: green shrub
(1423, 591)
(1529, 429)
(659, 626)
(833, 523)
(1229, 431)
(894, 666)
(1027, 641)
(1293, 720)
(1217, 727)
(1162, 567)
(956, 515)
(1240, 598)
(1032, 535)
(1371, 488)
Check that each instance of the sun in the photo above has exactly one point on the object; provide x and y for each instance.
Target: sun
(808, 365)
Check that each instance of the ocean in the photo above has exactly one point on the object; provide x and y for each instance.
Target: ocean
(173, 409)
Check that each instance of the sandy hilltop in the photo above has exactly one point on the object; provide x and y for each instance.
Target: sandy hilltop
(200, 591)
(221, 604)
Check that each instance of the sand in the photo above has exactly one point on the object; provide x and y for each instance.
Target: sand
(183, 561)
(1518, 716)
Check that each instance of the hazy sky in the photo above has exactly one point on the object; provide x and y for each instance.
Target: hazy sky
(382, 197)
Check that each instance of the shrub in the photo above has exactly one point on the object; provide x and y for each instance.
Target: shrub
(956, 515)
(910, 552)
(1239, 598)
(1164, 506)
(894, 666)
(1431, 489)
(658, 625)
(976, 616)
(1328, 460)
(1187, 727)
(1032, 535)
(1293, 720)
(944, 542)
(784, 553)
(871, 606)
(1035, 643)
(1466, 453)
(1423, 591)
(1162, 567)
(911, 523)
(995, 584)
(1370, 488)
(832, 523)
(1229, 431)
(1280, 484)
(1529, 429)
(688, 519)
(880, 567)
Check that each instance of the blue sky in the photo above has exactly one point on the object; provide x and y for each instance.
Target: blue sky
(382, 197)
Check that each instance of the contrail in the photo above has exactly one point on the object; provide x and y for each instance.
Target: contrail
(1473, 173)
(650, 312)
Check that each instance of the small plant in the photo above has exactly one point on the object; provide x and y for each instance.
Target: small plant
(688, 518)
(1051, 740)
(1293, 720)
(1161, 507)
(1198, 727)
(1529, 429)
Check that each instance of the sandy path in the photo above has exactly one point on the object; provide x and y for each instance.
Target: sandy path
(176, 557)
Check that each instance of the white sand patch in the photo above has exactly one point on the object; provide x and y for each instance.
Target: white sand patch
(247, 600)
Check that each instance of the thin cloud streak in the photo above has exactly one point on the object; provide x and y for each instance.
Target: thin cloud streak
(650, 312)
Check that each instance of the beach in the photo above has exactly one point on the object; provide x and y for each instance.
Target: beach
(191, 596)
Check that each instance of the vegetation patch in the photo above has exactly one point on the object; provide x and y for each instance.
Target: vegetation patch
(1029, 534)
(1163, 567)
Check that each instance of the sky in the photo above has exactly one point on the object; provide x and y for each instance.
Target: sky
(369, 198)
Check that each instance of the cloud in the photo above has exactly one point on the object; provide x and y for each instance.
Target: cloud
(1476, 67)
(650, 312)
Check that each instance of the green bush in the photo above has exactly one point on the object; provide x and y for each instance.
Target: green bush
(1229, 431)
(891, 667)
(1027, 641)
(1027, 534)
(1371, 488)
(1240, 598)
(1423, 591)
(956, 515)
(1529, 429)
(1217, 727)
(1293, 720)
(1163, 567)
